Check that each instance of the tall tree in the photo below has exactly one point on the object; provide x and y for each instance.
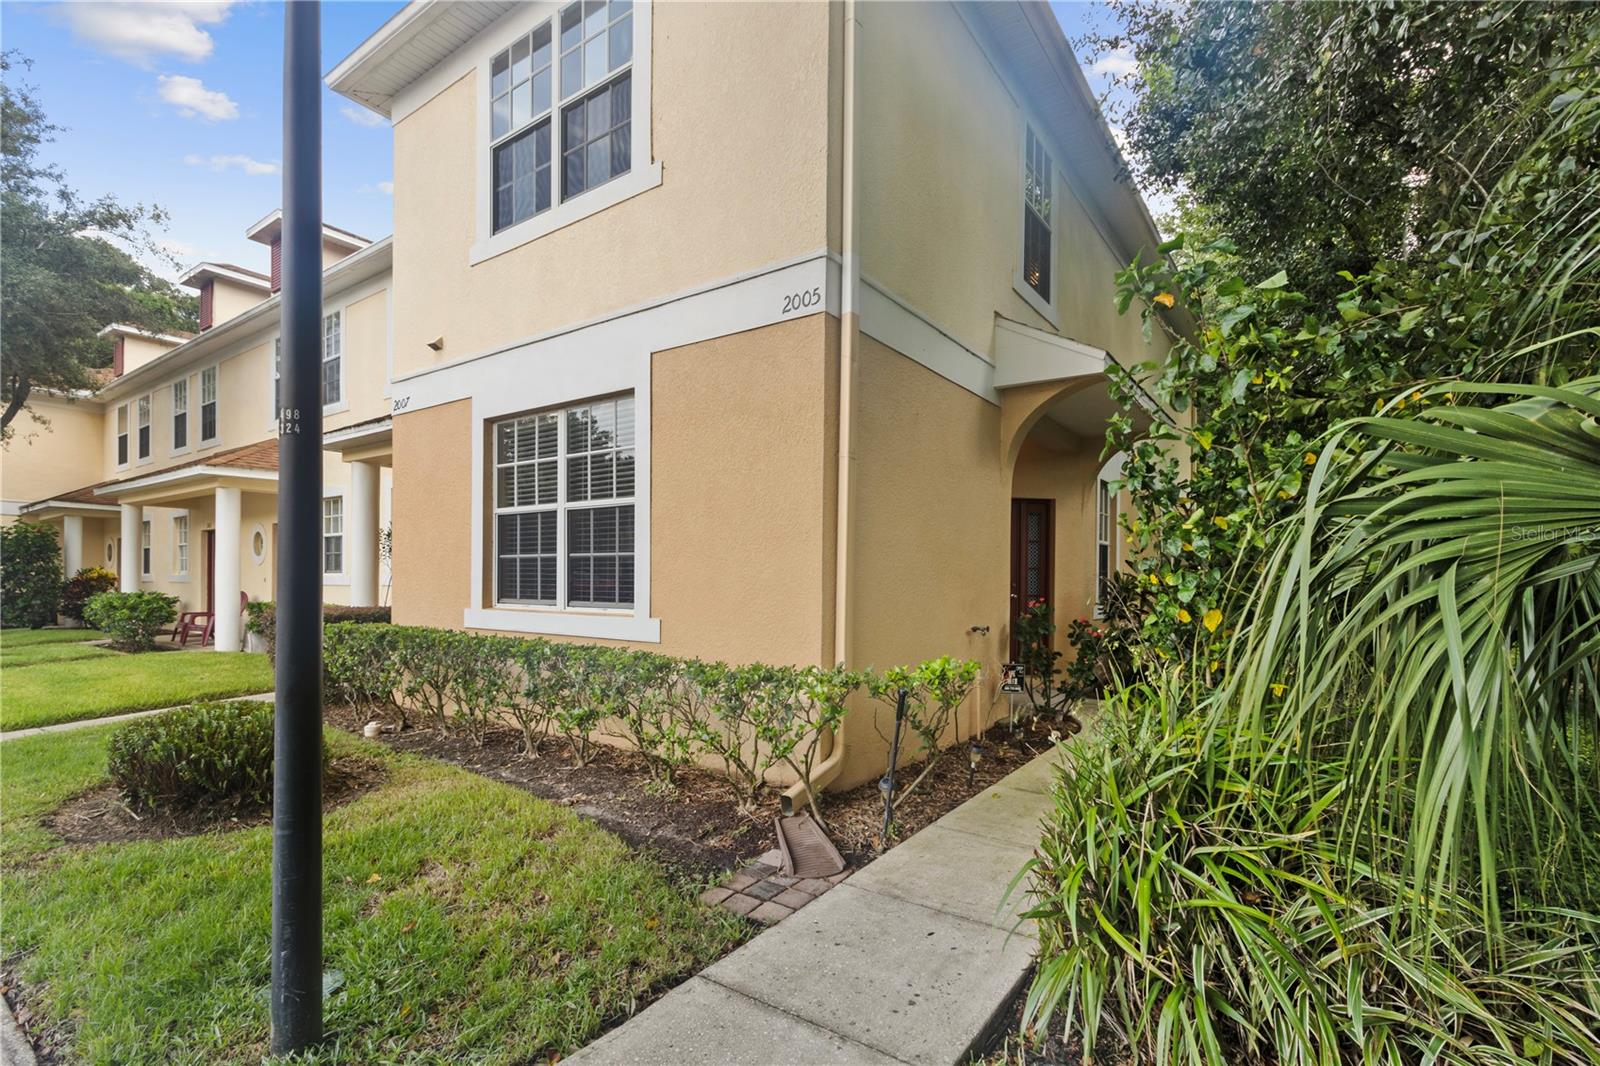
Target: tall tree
(1324, 136)
(62, 274)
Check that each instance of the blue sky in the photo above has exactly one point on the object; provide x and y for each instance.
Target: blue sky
(180, 104)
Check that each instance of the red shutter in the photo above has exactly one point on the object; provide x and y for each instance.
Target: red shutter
(207, 310)
(116, 359)
(277, 264)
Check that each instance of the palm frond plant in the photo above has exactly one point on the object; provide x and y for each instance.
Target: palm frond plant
(1448, 571)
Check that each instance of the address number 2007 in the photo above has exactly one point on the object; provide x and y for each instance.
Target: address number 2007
(796, 301)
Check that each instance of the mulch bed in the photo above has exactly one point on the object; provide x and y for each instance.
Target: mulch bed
(101, 816)
(696, 827)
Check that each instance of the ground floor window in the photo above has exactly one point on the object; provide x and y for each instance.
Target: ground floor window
(333, 535)
(144, 547)
(180, 545)
(563, 507)
(1105, 520)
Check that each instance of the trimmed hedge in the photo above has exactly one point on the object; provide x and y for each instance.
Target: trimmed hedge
(261, 618)
(204, 755)
(751, 719)
(131, 619)
(30, 575)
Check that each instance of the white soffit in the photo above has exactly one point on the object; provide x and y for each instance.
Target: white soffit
(1025, 356)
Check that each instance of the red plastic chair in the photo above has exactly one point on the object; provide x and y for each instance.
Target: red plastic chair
(203, 624)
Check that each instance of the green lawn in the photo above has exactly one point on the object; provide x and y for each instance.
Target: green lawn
(471, 920)
(11, 639)
(90, 683)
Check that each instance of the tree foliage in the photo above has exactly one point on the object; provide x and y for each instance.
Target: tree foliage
(65, 272)
(1327, 136)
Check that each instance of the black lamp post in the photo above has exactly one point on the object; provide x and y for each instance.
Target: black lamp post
(297, 778)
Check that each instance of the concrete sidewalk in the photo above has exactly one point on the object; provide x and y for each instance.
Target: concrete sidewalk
(84, 723)
(909, 961)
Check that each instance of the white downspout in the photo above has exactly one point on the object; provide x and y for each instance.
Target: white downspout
(849, 333)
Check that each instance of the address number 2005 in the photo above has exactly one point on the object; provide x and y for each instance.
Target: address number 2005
(796, 301)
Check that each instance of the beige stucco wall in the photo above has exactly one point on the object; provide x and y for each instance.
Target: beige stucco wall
(740, 126)
(229, 300)
(940, 155)
(58, 454)
(137, 351)
(742, 473)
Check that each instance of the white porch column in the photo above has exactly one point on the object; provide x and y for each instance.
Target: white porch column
(132, 529)
(71, 544)
(228, 624)
(361, 534)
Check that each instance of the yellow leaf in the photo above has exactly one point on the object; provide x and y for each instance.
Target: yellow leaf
(1212, 620)
(1171, 579)
(651, 923)
(1188, 547)
(1154, 580)
(1184, 616)
(1283, 494)
(1221, 522)
(1165, 299)
(1278, 688)
(374, 879)
(1311, 458)
(1256, 380)
(1215, 664)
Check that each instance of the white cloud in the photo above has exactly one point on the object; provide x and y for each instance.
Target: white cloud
(227, 162)
(194, 100)
(1116, 63)
(386, 187)
(139, 32)
(362, 117)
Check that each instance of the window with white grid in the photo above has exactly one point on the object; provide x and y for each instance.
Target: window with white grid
(122, 434)
(208, 404)
(180, 414)
(1105, 520)
(333, 535)
(564, 506)
(144, 427)
(180, 545)
(144, 547)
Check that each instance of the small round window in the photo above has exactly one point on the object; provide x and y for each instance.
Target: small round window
(258, 545)
(111, 552)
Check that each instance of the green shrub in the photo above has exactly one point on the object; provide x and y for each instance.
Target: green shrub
(131, 619)
(209, 754)
(261, 618)
(83, 587)
(30, 575)
(672, 711)
(1200, 914)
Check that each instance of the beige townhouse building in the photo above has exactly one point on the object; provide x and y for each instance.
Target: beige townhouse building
(754, 331)
(167, 472)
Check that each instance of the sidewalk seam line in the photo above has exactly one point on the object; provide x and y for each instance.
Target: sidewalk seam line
(797, 1017)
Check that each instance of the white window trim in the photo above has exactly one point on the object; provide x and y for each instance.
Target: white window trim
(123, 413)
(181, 574)
(646, 172)
(544, 376)
(149, 399)
(147, 548)
(1049, 309)
(258, 530)
(343, 405)
(188, 415)
(216, 374)
(342, 575)
(563, 507)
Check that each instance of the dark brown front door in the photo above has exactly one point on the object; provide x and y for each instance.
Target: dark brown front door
(211, 570)
(1032, 557)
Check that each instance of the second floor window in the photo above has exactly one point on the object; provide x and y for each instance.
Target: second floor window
(1037, 195)
(332, 347)
(590, 84)
(144, 427)
(208, 404)
(122, 435)
(332, 364)
(180, 414)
